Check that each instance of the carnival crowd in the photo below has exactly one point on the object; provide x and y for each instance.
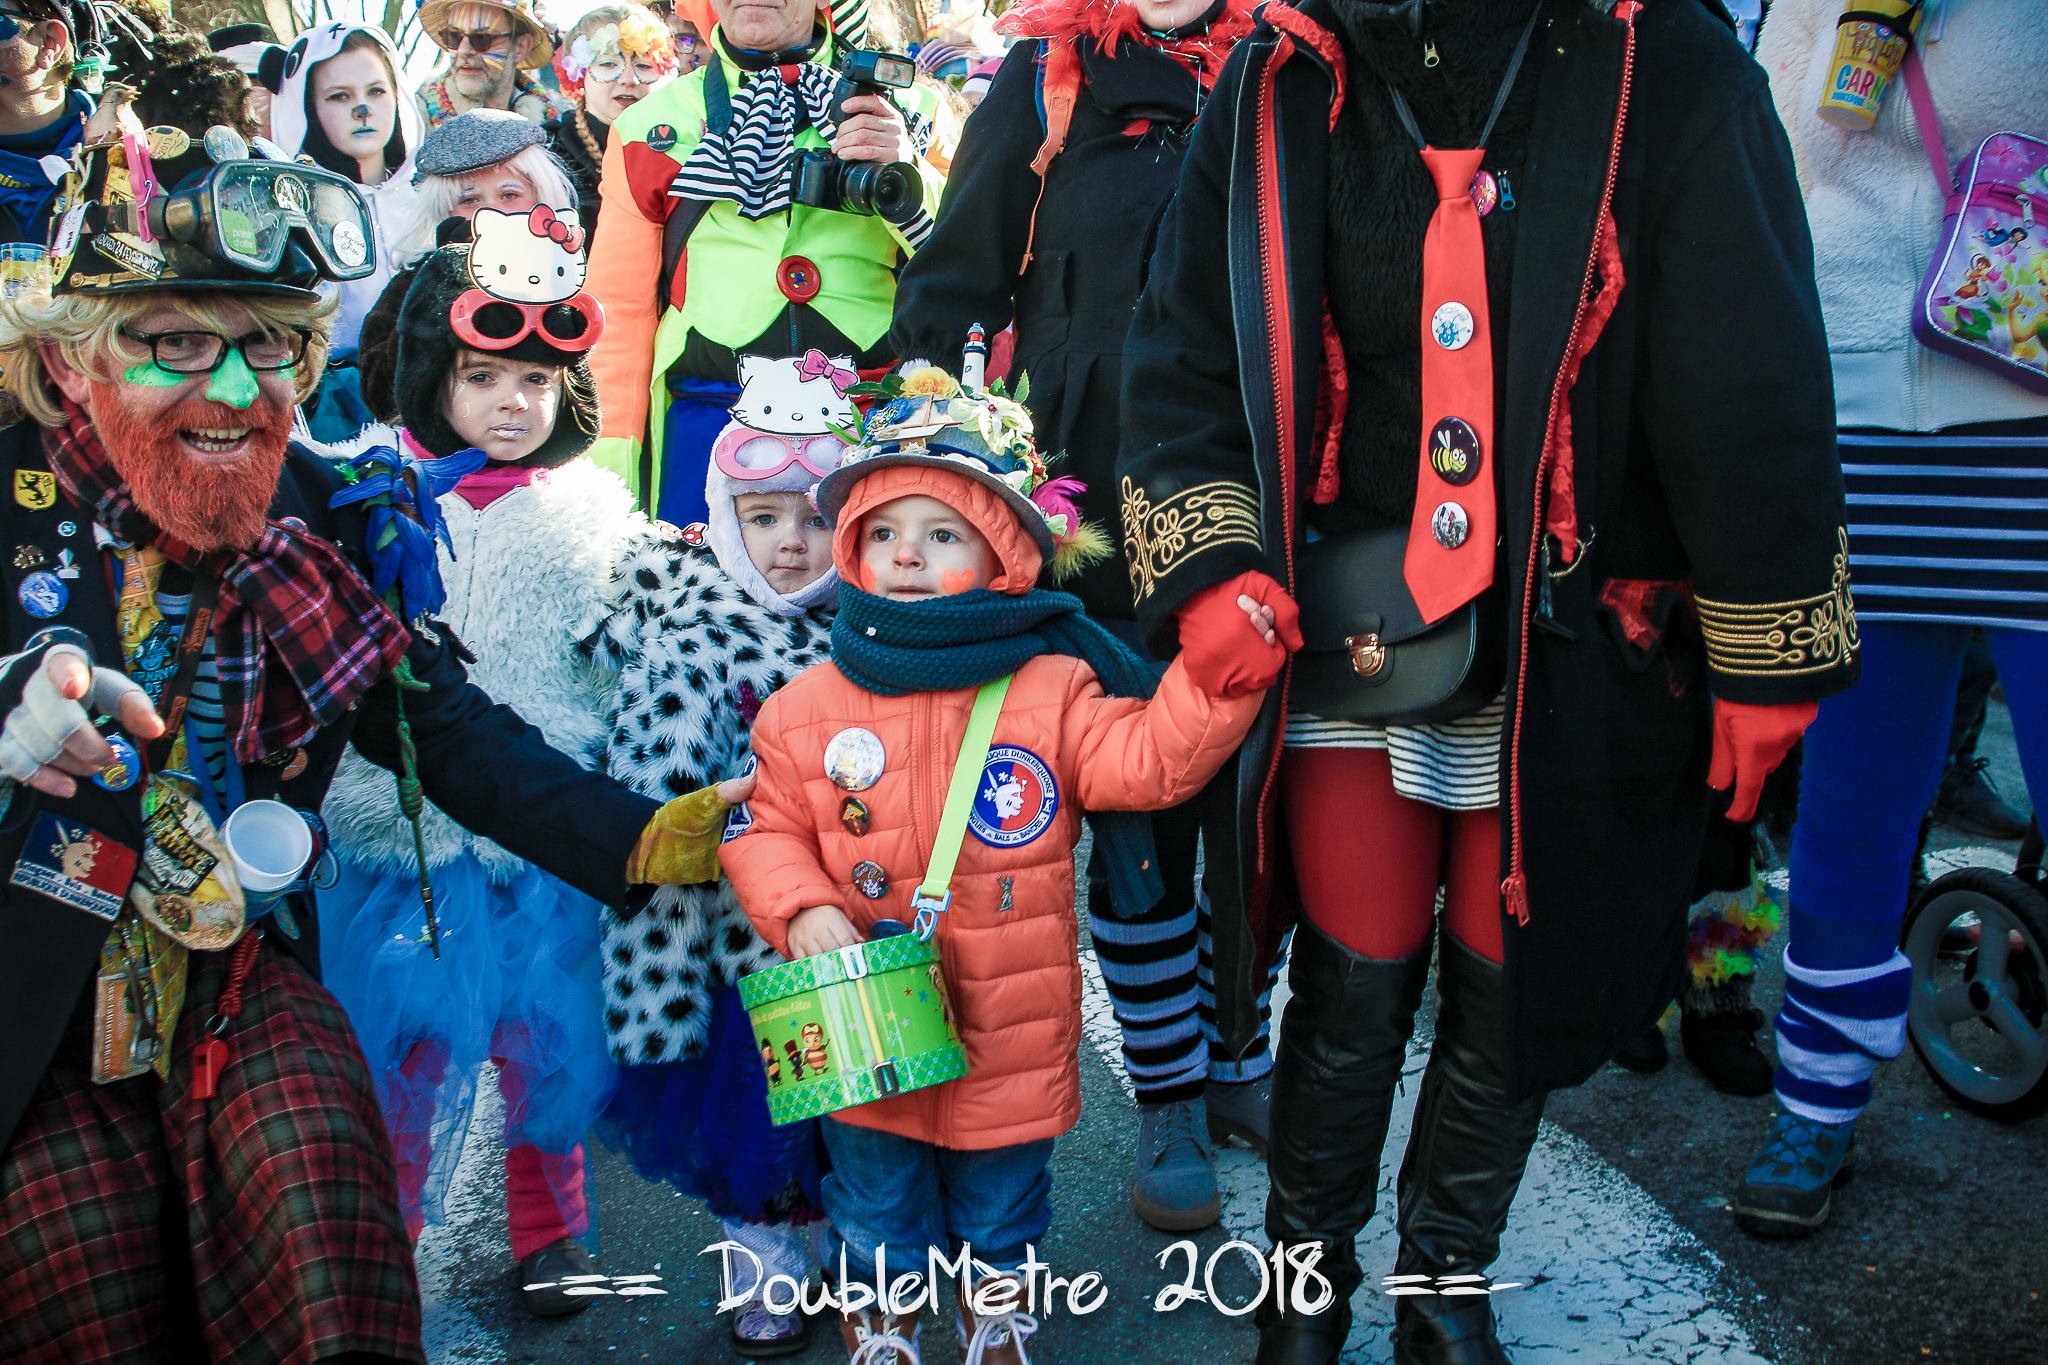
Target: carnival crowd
(588, 575)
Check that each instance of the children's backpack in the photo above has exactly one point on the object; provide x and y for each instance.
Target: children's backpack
(1985, 295)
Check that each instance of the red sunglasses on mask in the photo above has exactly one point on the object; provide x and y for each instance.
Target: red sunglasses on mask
(486, 323)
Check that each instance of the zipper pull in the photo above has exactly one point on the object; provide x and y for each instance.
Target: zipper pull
(1507, 192)
(1429, 54)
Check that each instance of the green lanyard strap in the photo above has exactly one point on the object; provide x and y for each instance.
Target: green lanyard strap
(935, 892)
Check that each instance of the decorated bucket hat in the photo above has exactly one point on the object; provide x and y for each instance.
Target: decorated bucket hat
(928, 417)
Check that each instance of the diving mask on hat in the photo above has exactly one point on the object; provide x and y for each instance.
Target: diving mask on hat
(147, 209)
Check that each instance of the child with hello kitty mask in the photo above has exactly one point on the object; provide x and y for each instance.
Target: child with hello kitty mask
(492, 381)
(715, 621)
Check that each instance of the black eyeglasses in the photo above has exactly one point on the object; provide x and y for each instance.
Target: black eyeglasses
(483, 44)
(204, 352)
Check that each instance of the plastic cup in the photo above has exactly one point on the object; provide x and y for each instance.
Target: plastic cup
(1871, 39)
(270, 844)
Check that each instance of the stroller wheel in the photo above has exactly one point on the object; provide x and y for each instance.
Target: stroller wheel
(1979, 1017)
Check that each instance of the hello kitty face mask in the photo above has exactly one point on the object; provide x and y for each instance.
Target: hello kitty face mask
(784, 436)
(528, 270)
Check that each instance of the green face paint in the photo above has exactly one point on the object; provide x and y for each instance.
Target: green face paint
(150, 377)
(234, 383)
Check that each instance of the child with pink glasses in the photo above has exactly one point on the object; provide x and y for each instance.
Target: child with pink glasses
(712, 622)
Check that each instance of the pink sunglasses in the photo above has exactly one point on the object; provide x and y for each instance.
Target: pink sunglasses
(748, 455)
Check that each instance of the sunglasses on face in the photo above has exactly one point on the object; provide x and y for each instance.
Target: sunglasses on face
(484, 44)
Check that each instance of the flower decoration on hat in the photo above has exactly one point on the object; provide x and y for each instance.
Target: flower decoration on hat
(929, 417)
(636, 38)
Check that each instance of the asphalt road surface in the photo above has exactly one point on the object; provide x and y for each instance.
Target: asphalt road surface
(1621, 1242)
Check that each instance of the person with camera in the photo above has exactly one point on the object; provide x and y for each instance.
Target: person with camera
(1489, 333)
(759, 204)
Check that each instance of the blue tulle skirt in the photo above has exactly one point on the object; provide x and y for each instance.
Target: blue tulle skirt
(702, 1126)
(518, 982)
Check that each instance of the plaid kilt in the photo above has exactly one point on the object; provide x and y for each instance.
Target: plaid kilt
(137, 1223)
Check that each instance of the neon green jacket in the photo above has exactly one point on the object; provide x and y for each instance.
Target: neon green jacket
(730, 292)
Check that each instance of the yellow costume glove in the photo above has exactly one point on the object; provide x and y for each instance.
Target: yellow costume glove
(680, 844)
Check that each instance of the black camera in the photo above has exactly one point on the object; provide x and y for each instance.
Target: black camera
(873, 189)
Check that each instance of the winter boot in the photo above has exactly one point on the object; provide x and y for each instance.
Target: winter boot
(1342, 1043)
(1718, 1028)
(1465, 1157)
(1241, 1110)
(1174, 1185)
(1789, 1187)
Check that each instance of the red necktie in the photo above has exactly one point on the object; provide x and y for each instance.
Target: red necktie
(1451, 532)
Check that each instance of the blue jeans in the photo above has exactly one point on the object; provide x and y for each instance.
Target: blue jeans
(910, 1196)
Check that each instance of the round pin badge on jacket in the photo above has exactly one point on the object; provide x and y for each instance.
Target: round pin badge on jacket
(854, 759)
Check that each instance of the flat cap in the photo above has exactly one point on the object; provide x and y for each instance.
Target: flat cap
(473, 140)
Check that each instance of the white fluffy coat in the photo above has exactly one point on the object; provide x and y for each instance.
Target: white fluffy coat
(528, 572)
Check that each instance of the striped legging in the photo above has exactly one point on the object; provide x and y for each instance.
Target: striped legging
(1160, 977)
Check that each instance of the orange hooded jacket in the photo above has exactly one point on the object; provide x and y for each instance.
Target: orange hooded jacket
(1009, 943)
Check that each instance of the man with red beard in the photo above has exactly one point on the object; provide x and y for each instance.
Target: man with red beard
(192, 1164)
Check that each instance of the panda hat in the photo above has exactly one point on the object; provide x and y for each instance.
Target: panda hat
(292, 123)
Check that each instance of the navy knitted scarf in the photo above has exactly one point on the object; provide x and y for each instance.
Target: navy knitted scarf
(969, 638)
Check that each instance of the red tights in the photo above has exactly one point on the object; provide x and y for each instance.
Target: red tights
(1369, 860)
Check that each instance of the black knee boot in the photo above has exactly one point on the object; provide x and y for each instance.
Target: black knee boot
(1464, 1163)
(1342, 1042)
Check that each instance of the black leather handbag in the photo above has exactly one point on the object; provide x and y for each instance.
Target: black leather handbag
(1367, 655)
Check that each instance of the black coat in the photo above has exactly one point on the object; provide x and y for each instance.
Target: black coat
(1072, 299)
(477, 760)
(1704, 459)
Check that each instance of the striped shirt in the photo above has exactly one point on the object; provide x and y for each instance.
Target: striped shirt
(206, 716)
(1948, 528)
(1454, 764)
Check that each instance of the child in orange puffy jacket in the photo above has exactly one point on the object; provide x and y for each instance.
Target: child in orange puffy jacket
(942, 522)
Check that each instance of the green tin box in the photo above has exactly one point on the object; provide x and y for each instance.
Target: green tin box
(852, 1026)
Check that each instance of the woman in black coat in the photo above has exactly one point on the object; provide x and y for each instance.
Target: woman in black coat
(1061, 177)
(1668, 580)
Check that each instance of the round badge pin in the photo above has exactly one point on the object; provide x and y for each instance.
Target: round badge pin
(870, 880)
(1454, 450)
(1485, 192)
(349, 247)
(1450, 524)
(67, 529)
(1452, 326)
(43, 594)
(223, 143)
(126, 769)
(293, 766)
(854, 759)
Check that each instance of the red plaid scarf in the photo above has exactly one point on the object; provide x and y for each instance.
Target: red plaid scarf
(299, 635)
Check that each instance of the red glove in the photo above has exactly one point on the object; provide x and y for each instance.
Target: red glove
(1749, 744)
(1223, 652)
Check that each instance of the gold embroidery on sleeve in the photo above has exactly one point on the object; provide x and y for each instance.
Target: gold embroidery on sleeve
(1784, 639)
(1158, 539)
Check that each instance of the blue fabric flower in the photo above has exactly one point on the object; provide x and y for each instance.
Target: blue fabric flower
(405, 520)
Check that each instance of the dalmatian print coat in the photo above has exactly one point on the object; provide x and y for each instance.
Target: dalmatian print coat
(697, 657)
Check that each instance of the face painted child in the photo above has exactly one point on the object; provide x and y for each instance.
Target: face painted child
(785, 538)
(505, 408)
(917, 547)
